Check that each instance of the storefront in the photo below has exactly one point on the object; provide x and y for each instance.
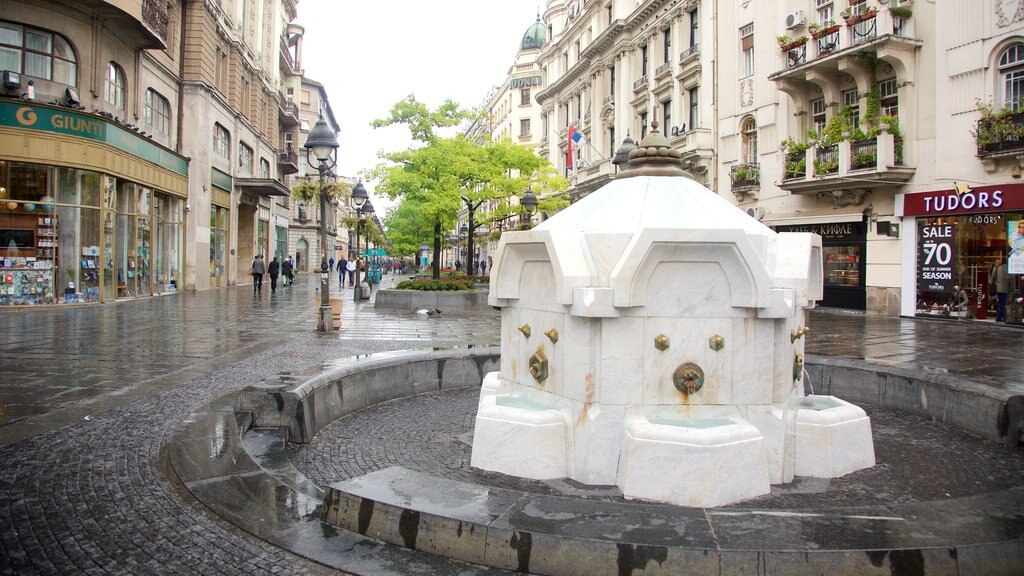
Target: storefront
(89, 210)
(843, 251)
(956, 240)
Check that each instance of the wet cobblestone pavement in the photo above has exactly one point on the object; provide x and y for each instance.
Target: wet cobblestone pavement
(917, 460)
(90, 394)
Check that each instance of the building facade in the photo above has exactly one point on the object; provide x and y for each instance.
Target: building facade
(854, 119)
(144, 148)
(93, 183)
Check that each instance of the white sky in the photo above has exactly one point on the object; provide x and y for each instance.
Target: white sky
(371, 54)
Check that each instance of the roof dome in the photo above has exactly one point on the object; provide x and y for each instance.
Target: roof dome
(535, 37)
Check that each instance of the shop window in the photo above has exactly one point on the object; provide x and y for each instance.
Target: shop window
(156, 113)
(38, 53)
(115, 93)
(1011, 72)
(221, 141)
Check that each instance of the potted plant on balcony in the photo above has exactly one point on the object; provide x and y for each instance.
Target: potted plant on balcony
(901, 12)
(852, 18)
(787, 43)
(997, 130)
(821, 29)
(745, 175)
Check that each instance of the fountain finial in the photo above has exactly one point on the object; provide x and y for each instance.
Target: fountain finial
(654, 156)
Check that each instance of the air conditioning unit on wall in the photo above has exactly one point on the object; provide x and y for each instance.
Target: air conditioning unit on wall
(795, 19)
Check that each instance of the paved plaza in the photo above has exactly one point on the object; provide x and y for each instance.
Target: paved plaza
(90, 394)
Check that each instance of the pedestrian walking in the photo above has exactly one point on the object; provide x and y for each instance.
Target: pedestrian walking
(342, 272)
(483, 267)
(257, 270)
(1001, 281)
(330, 264)
(286, 272)
(274, 270)
(351, 269)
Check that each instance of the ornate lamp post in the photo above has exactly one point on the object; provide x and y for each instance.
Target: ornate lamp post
(322, 144)
(529, 203)
(365, 210)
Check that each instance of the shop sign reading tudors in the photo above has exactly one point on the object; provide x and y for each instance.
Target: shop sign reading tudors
(964, 199)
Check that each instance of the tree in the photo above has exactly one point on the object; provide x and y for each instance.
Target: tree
(443, 174)
(407, 230)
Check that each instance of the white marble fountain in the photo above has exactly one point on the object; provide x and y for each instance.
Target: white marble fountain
(652, 338)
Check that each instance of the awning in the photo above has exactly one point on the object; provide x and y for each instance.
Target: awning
(262, 186)
(811, 217)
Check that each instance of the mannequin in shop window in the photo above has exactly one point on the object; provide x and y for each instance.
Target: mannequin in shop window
(961, 304)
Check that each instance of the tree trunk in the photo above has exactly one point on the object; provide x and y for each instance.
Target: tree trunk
(437, 251)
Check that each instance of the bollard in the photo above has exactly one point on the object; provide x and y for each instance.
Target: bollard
(336, 312)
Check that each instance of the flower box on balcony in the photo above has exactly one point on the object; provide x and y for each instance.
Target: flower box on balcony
(852, 19)
(786, 43)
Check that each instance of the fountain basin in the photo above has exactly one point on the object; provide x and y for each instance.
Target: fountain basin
(833, 438)
(693, 462)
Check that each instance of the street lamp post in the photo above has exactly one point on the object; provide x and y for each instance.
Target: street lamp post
(365, 210)
(529, 203)
(322, 144)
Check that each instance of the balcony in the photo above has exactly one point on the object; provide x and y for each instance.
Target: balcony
(640, 84)
(833, 49)
(287, 60)
(1000, 135)
(288, 112)
(689, 63)
(874, 163)
(662, 70)
(288, 161)
(746, 179)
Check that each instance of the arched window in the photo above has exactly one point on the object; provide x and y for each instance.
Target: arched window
(157, 112)
(115, 86)
(1011, 72)
(39, 53)
(749, 134)
(221, 141)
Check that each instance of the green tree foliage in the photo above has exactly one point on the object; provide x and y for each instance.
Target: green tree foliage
(441, 175)
(407, 229)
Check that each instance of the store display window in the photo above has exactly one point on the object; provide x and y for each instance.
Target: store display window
(957, 257)
(58, 246)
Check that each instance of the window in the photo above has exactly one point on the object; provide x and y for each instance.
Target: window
(825, 13)
(221, 139)
(304, 97)
(643, 60)
(1011, 71)
(264, 168)
(524, 127)
(245, 157)
(524, 97)
(611, 141)
(818, 115)
(889, 98)
(156, 113)
(37, 53)
(643, 125)
(611, 82)
(852, 102)
(609, 9)
(115, 86)
(694, 114)
(666, 115)
(579, 107)
(749, 134)
(577, 46)
(245, 96)
(667, 45)
(694, 36)
(747, 50)
(221, 70)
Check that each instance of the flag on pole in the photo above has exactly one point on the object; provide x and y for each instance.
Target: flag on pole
(577, 139)
(572, 139)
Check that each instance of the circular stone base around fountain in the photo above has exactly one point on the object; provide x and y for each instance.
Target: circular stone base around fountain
(938, 500)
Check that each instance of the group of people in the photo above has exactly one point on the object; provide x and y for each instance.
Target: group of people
(482, 264)
(347, 269)
(275, 269)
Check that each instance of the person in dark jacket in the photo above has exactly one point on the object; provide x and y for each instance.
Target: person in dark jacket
(286, 272)
(274, 270)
